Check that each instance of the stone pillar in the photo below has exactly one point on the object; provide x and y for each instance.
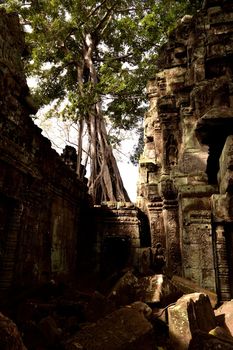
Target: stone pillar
(171, 226)
(197, 241)
(223, 273)
(156, 223)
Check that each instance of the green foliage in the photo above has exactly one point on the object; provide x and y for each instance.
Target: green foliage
(126, 36)
(138, 149)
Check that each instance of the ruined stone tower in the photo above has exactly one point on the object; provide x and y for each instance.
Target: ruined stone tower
(185, 181)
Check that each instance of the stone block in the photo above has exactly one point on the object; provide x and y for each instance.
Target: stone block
(191, 312)
(124, 291)
(126, 328)
(225, 315)
(157, 289)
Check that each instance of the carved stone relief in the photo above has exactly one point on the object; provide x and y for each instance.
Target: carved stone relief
(171, 152)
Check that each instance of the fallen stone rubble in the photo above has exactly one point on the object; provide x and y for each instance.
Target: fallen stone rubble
(89, 320)
(125, 328)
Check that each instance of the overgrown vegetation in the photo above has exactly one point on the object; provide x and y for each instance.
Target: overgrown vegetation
(92, 59)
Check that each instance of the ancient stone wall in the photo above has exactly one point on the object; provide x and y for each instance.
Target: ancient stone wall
(187, 124)
(119, 236)
(43, 206)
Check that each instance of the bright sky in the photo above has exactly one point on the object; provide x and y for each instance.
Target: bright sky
(129, 172)
(129, 175)
(61, 133)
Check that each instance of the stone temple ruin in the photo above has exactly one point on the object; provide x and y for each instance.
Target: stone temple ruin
(185, 183)
(183, 219)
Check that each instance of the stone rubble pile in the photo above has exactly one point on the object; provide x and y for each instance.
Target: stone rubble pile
(71, 319)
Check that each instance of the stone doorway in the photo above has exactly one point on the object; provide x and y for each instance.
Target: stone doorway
(115, 254)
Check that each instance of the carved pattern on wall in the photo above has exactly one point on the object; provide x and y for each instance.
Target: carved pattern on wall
(223, 282)
(157, 228)
(171, 148)
(197, 246)
(173, 252)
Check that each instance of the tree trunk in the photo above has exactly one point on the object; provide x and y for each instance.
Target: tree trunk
(80, 147)
(81, 122)
(105, 183)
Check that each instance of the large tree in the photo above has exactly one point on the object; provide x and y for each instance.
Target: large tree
(92, 59)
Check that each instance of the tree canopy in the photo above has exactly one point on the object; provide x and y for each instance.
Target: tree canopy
(92, 59)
